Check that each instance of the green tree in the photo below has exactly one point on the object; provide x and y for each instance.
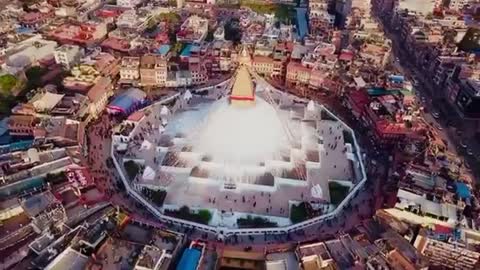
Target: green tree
(470, 41)
(204, 215)
(282, 13)
(156, 196)
(131, 168)
(56, 178)
(337, 192)
(7, 82)
(177, 47)
(6, 103)
(232, 33)
(255, 222)
(169, 17)
(34, 77)
(210, 36)
(299, 213)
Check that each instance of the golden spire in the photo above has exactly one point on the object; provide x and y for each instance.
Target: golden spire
(243, 90)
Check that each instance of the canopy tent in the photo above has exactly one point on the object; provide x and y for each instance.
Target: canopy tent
(128, 101)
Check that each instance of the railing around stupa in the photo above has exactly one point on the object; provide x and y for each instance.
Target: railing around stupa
(316, 221)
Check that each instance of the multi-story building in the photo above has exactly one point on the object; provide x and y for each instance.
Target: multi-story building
(98, 95)
(456, 5)
(198, 74)
(68, 55)
(194, 29)
(319, 16)
(465, 96)
(315, 256)
(128, 3)
(263, 65)
(297, 74)
(30, 52)
(264, 47)
(446, 255)
(21, 125)
(153, 70)
(129, 69)
(82, 33)
(35, 20)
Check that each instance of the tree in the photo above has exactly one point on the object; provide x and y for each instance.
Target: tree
(56, 178)
(299, 213)
(6, 103)
(255, 222)
(470, 42)
(210, 36)
(205, 215)
(177, 47)
(7, 82)
(282, 13)
(338, 192)
(449, 36)
(259, 8)
(34, 77)
(156, 196)
(151, 24)
(408, 124)
(232, 33)
(170, 17)
(131, 168)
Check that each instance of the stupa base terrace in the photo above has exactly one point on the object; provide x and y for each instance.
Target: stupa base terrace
(237, 160)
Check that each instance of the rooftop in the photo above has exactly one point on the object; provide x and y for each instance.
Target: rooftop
(68, 259)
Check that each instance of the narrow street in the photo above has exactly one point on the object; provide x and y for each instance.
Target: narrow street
(448, 126)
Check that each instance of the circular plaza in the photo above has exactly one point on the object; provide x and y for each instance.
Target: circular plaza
(239, 157)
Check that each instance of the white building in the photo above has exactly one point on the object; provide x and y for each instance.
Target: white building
(129, 69)
(68, 55)
(128, 19)
(319, 10)
(28, 53)
(194, 29)
(454, 4)
(128, 3)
